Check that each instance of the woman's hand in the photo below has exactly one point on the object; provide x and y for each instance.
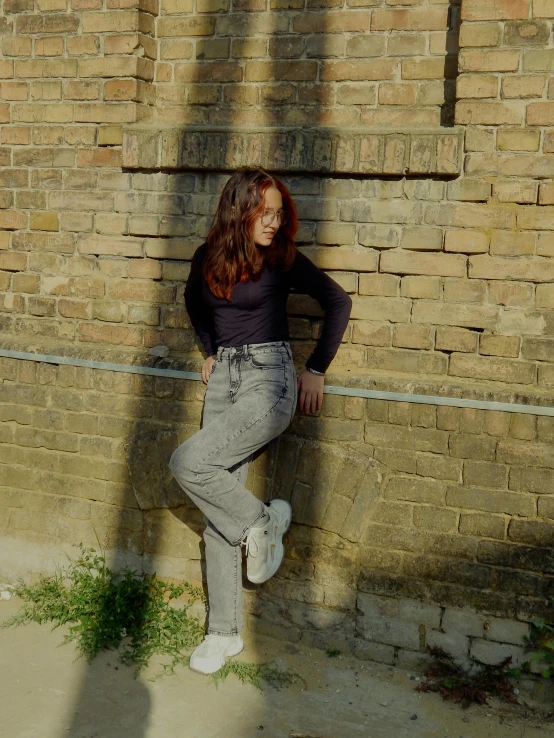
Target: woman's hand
(310, 392)
(207, 367)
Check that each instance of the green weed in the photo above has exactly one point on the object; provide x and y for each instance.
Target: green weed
(467, 686)
(128, 612)
(541, 644)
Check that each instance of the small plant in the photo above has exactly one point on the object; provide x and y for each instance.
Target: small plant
(128, 612)
(332, 652)
(541, 643)
(123, 610)
(255, 673)
(467, 686)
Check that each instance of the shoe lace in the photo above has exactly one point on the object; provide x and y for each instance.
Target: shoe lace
(251, 544)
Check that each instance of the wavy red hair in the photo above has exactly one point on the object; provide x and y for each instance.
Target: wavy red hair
(232, 255)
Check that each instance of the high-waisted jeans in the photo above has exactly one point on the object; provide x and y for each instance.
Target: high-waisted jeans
(250, 399)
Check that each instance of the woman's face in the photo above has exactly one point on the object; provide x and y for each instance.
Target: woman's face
(273, 204)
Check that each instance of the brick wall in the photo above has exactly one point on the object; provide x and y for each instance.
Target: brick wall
(119, 123)
(291, 62)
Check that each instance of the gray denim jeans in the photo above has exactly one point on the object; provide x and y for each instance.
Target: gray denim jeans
(250, 399)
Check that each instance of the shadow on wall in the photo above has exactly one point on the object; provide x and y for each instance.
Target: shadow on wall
(451, 64)
(332, 486)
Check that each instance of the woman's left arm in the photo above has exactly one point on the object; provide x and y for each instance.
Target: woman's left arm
(337, 305)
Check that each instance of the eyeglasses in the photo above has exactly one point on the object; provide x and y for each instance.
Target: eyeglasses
(268, 216)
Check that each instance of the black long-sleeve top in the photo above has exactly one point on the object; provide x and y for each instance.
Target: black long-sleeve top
(257, 310)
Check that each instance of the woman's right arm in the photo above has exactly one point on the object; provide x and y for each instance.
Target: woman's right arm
(199, 312)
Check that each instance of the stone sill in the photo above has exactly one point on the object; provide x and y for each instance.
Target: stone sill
(355, 152)
(444, 386)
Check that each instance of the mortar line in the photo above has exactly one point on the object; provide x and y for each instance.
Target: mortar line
(507, 407)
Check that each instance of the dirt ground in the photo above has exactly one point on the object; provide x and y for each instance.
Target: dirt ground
(48, 692)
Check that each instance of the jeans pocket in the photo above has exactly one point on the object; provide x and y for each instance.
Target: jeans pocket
(267, 360)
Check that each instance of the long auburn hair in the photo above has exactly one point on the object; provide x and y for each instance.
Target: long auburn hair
(232, 256)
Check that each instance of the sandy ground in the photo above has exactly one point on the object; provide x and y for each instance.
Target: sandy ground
(47, 692)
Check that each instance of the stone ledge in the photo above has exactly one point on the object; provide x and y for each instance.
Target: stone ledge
(350, 151)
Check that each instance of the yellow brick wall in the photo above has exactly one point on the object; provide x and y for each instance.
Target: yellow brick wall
(441, 229)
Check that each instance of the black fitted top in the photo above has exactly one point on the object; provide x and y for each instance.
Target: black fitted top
(257, 310)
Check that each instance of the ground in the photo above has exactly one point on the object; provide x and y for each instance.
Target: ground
(48, 692)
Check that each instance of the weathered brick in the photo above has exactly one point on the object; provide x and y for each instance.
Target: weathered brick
(489, 500)
(412, 337)
(511, 294)
(359, 70)
(115, 21)
(335, 234)
(480, 139)
(545, 427)
(12, 220)
(357, 94)
(385, 285)
(422, 239)
(542, 9)
(541, 349)
(531, 532)
(477, 86)
(546, 197)
(420, 287)
(545, 507)
(439, 467)
(516, 452)
(416, 19)
(399, 413)
(524, 192)
(491, 113)
(492, 368)
(478, 10)
(465, 290)
(523, 426)
(417, 439)
(372, 333)
(465, 446)
(394, 309)
(474, 60)
(406, 262)
(47, 23)
(522, 86)
(532, 269)
(482, 526)
(538, 60)
(331, 22)
(403, 360)
(406, 44)
(485, 473)
(468, 215)
(469, 316)
(492, 345)
(505, 243)
(435, 519)
(480, 34)
(402, 461)
(496, 423)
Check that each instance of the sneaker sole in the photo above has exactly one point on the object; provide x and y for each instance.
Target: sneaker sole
(227, 655)
(280, 552)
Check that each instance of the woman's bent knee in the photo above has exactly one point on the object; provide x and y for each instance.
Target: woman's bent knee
(182, 462)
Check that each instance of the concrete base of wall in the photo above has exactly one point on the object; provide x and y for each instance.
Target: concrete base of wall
(389, 630)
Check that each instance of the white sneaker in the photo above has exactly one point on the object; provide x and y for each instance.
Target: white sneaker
(210, 655)
(264, 546)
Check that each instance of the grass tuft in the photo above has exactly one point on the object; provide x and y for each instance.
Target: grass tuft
(128, 612)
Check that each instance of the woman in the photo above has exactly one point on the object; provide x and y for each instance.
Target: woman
(236, 298)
